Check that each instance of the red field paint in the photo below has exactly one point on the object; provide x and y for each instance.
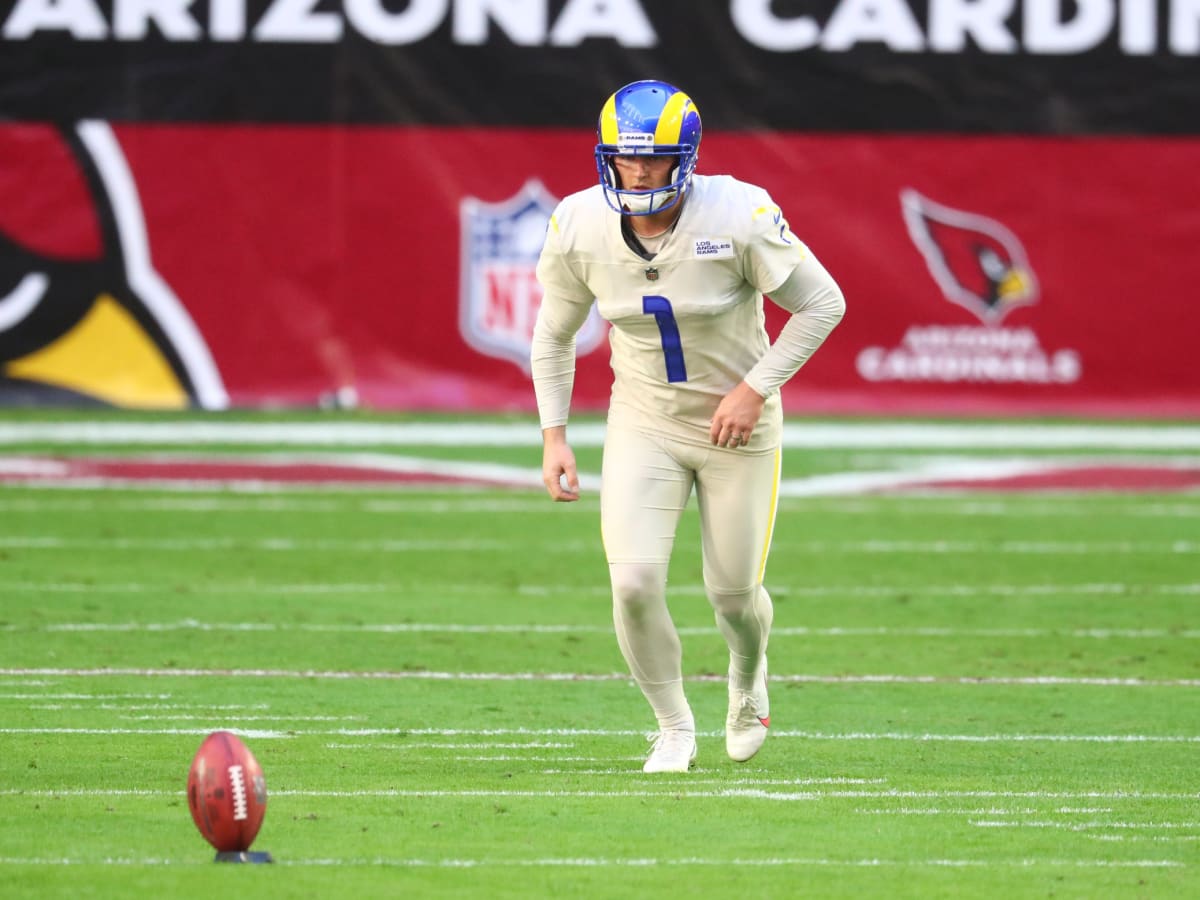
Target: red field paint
(1134, 479)
(186, 472)
(400, 471)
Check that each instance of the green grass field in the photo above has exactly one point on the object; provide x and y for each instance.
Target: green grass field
(973, 694)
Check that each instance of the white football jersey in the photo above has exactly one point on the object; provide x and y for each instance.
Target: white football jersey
(688, 325)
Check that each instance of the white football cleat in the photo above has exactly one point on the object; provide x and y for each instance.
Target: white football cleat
(674, 750)
(749, 718)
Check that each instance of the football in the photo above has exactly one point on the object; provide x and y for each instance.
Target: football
(226, 792)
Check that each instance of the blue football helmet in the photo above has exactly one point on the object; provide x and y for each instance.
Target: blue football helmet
(647, 118)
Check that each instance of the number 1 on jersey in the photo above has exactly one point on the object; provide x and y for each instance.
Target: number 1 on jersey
(664, 316)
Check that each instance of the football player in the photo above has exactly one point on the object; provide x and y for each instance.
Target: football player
(678, 263)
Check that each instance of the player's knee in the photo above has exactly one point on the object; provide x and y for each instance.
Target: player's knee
(636, 588)
(730, 603)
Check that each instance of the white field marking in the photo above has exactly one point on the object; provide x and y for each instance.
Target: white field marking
(814, 434)
(339, 545)
(228, 718)
(40, 468)
(271, 544)
(386, 628)
(598, 732)
(520, 758)
(1005, 504)
(982, 795)
(748, 863)
(932, 505)
(534, 628)
(278, 544)
(694, 779)
(427, 745)
(1155, 838)
(853, 590)
(80, 696)
(600, 590)
(990, 811)
(1084, 826)
(159, 706)
(667, 789)
(283, 503)
(495, 473)
(990, 547)
(582, 677)
(989, 738)
(256, 733)
(1032, 681)
(922, 473)
(925, 472)
(940, 811)
(207, 707)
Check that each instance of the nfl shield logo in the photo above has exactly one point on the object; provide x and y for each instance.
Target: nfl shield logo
(500, 294)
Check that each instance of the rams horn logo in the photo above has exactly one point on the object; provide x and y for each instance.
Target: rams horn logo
(84, 316)
(976, 261)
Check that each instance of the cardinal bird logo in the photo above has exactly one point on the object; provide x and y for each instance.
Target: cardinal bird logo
(976, 261)
(85, 318)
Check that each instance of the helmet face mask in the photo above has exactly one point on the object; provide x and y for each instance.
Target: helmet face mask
(647, 118)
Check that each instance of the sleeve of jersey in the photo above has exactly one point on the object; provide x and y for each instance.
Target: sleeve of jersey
(816, 303)
(566, 302)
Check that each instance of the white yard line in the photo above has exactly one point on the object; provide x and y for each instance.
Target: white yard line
(452, 505)
(780, 734)
(1083, 826)
(535, 628)
(676, 788)
(1118, 589)
(814, 434)
(1149, 838)
(76, 696)
(581, 677)
(973, 811)
(433, 745)
(746, 863)
(282, 544)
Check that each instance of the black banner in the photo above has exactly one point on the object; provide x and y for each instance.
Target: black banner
(1066, 67)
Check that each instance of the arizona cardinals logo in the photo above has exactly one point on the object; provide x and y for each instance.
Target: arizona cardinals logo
(84, 316)
(976, 261)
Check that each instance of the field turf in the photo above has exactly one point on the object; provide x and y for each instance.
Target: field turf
(974, 694)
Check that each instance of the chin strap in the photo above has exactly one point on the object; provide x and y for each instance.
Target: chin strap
(649, 202)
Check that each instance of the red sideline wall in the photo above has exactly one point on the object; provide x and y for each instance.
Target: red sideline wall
(315, 257)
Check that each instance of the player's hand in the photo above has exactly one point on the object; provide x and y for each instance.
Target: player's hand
(558, 466)
(736, 416)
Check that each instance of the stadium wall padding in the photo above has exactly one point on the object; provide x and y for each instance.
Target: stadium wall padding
(268, 204)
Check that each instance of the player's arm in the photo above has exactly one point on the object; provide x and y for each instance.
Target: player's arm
(566, 302)
(816, 303)
(552, 363)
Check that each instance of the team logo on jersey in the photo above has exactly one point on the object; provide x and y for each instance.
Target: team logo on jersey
(499, 292)
(652, 273)
(714, 248)
(85, 318)
(976, 261)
